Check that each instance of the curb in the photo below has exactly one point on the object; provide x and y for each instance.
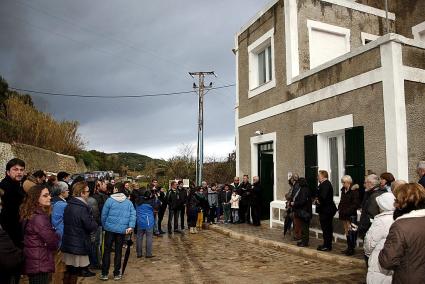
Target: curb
(305, 252)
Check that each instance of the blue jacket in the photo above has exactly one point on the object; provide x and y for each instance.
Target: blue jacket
(145, 219)
(58, 208)
(118, 214)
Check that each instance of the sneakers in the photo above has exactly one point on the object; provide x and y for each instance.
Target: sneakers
(103, 277)
(117, 277)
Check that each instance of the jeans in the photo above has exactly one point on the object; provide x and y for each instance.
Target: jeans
(155, 226)
(110, 238)
(181, 214)
(173, 214)
(139, 241)
(235, 215)
(226, 209)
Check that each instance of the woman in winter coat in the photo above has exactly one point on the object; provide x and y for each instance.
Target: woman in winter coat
(193, 206)
(40, 239)
(403, 250)
(78, 225)
(347, 209)
(301, 206)
(375, 239)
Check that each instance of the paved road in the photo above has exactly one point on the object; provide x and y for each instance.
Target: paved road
(210, 257)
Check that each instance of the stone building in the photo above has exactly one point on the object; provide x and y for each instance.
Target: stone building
(329, 84)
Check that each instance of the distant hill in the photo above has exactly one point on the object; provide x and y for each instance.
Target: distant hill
(96, 160)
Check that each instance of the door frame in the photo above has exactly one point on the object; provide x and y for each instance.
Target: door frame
(260, 139)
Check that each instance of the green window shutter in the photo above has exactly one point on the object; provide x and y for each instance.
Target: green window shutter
(310, 161)
(355, 154)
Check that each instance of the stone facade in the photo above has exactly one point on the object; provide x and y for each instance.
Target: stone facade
(36, 158)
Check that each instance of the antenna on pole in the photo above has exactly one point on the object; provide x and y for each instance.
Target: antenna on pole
(200, 146)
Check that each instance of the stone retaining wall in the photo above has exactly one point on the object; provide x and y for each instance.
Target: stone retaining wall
(38, 158)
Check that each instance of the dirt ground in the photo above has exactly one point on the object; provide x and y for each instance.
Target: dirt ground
(209, 257)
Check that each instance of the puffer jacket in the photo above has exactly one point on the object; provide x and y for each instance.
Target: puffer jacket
(144, 212)
(58, 208)
(40, 242)
(78, 224)
(212, 197)
(403, 250)
(373, 244)
(118, 214)
(235, 201)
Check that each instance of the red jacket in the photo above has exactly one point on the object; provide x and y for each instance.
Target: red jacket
(40, 242)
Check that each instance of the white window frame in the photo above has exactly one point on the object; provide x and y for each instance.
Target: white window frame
(366, 36)
(324, 130)
(417, 30)
(315, 25)
(254, 49)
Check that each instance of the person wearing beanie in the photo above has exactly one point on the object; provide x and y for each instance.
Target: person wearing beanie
(376, 237)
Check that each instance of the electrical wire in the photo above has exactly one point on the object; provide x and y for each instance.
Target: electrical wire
(63, 94)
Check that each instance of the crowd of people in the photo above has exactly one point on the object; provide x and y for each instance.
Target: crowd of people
(391, 221)
(55, 230)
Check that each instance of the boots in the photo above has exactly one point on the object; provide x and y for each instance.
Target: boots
(348, 244)
(351, 243)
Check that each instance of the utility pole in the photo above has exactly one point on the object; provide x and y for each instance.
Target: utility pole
(200, 146)
(387, 23)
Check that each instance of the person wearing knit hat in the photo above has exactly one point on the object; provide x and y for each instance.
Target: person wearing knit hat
(376, 237)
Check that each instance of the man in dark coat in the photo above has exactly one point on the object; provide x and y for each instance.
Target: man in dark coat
(12, 199)
(11, 258)
(173, 204)
(301, 206)
(182, 203)
(326, 208)
(256, 201)
(162, 207)
(245, 191)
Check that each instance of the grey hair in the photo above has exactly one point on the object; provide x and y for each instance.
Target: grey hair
(347, 178)
(61, 186)
(374, 179)
(421, 165)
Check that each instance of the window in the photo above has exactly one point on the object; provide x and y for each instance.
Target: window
(335, 160)
(366, 38)
(261, 64)
(265, 65)
(326, 42)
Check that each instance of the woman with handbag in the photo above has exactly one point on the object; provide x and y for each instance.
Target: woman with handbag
(347, 209)
(301, 206)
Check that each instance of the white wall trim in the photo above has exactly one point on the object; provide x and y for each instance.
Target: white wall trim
(255, 140)
(348, 4)
(320, 26)
(333, 124)
(339, 88)
(416, 30)
(394, 110)
(291, 40)
(253, 49)
(414, 74)
(365, 36)
(361, 8)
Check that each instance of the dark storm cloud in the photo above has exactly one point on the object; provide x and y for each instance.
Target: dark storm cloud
(126, 48)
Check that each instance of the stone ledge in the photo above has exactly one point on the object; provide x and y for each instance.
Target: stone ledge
(305, 252)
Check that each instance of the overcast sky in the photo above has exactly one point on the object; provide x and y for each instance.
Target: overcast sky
(109, 47)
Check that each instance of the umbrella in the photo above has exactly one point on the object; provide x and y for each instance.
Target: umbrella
(127, 254)
(287, 222)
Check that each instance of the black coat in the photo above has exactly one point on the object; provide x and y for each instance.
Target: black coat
(225, 196)
(182, 196)
(245, 191)
(256, 194)
(9, 218)
(78, 224)
(370, 209)
(11, 257)
(173, 199)
(349, 203)
(302, 202)
(101, 199)
(325, 194)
